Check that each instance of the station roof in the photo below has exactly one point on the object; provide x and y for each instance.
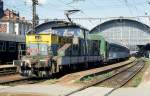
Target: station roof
(102, 25)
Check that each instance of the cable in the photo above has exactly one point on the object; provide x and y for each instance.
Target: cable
(73, 1)
(66, 4)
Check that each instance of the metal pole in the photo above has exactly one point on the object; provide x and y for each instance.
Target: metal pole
(34, 3)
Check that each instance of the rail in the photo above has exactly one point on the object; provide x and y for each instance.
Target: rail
(135, 66)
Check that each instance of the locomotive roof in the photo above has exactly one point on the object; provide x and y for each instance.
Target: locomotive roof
(11, 37)
(56, 24)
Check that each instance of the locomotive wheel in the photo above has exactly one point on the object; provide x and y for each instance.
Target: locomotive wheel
(26, 72)
(48, 73)
(41, 73)
(29, 73)
(23, 72)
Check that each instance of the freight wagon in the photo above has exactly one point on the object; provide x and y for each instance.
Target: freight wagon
(111, 52)
(144, 51)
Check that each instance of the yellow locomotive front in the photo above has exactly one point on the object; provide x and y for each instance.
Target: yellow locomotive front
(41, 55)
(42, 44)
(41, 49)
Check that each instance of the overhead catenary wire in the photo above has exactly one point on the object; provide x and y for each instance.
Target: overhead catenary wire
(66, 4)
(109, 6)
(89, 18)
(70, 6)
(73, 1)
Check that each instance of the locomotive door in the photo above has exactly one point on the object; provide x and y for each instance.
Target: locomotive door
(21, 50)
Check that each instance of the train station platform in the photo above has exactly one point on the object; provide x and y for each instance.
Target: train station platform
(142, 90)
(59, 90)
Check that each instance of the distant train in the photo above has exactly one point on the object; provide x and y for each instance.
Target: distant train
(11, 47)
(117, 52)
(144, 51)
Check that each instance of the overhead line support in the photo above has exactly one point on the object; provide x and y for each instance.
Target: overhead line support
(34, 3)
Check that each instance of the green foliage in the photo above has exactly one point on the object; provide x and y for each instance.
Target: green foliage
(109, 74)
(88, 78)
(137, 81)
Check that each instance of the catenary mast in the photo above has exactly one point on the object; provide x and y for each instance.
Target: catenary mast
(34, 3)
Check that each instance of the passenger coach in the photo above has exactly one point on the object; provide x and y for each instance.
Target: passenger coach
(12, 47)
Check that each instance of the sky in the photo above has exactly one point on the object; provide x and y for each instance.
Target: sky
(52, 9)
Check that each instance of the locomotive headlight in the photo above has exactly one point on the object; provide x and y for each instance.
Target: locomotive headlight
(43, 60)
(38, 37)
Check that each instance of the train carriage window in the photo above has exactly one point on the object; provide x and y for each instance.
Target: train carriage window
(2, 46)
(12, 46)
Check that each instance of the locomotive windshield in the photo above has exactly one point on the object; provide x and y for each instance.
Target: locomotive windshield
(38, 49)
(42, 44)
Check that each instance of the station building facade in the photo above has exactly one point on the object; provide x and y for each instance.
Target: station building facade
(11, 22)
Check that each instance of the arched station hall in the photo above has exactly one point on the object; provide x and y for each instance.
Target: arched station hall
(130, 33)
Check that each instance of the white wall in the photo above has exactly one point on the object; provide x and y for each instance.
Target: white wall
(16, 28)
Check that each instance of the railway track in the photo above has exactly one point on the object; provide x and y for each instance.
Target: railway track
(4, 73)
(9, 75)
(124, 77)
(17, 79)
(11, 79)
(95, 71)
(118, 79)
(7, 70)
